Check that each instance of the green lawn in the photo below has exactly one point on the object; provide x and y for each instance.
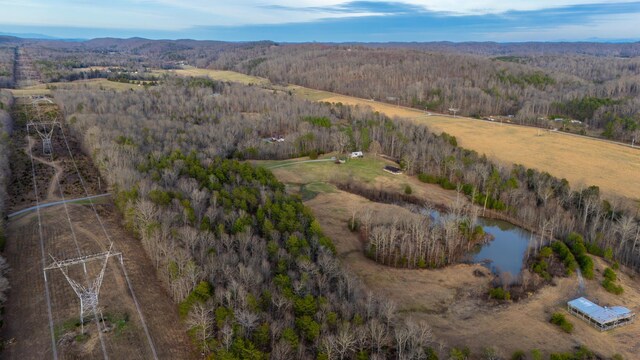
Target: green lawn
(366, 170)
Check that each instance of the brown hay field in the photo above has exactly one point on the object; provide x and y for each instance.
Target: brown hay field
(217, 75)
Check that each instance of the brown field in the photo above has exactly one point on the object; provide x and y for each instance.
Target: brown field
(583, 161)
(218, 75)
(453, 300)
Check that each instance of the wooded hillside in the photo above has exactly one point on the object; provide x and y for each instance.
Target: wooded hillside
(602, 92)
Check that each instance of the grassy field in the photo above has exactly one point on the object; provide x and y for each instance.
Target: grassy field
(312, 178)
(296, 171)
(101, 84)
(582, 161)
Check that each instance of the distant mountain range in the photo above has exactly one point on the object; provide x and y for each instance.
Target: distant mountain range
(34, 36)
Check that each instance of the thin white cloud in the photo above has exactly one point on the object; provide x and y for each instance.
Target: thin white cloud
(615, 26)
(176, 15)
(244, 12)
(483, 7)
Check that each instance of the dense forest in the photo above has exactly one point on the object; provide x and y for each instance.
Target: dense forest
(602, 93)
(6, 127)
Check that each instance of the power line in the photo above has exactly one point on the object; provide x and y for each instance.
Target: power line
(44, 273)
(106, 233)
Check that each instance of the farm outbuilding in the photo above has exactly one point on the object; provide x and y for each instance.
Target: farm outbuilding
(392, 169)
(602, 318)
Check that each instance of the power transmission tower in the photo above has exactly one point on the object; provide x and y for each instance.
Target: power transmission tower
(89, 294)
(45, 130)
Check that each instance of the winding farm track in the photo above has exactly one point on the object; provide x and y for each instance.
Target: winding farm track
(55, 180)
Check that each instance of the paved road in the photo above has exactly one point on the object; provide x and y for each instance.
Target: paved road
(54, 204)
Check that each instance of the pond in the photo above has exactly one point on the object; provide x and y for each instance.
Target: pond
(506, 252)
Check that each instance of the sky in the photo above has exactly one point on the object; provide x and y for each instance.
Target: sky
(327, 20)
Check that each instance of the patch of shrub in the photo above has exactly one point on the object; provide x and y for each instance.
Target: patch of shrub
(540, 268)
(408, 190)
(499, 293)
(579, 250)
(446, 184)
(611, 287)
(610, 274)
(609, 282)
(519, 355)
(459, 354)
(565, 256)
(426, 178)
(536, 354)
(594, 249)
(560, 320)
(546, 252)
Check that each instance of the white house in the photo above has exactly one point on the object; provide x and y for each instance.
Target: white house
(357, 154)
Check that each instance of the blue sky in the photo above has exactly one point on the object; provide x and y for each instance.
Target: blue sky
(327, 20)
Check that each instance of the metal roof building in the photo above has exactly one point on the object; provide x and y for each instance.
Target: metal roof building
(602, 318)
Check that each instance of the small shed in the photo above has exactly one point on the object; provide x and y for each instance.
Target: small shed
(602, 318)
(357, 154)
(392, 169)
